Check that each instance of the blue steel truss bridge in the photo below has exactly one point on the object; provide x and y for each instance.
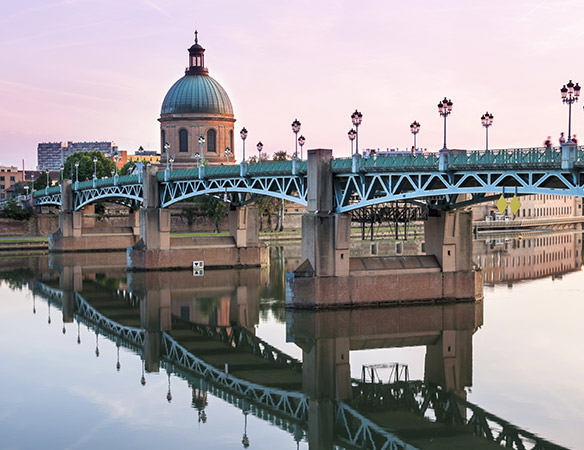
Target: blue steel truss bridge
(437, 179)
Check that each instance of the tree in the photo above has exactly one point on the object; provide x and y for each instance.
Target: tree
(41, 182)
(281, 156)
(213, 209)
(86, 165)
(126, 168)
(12, 211)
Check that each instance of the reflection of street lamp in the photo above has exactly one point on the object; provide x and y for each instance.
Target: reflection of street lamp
(415, 129)
(357, 118)
(296, 129)
(169, 394)
(243, 134)
(487, 121)
(352, 133)
(301, 141)
(245, 439)
(570, 94)
(444, 109)
(227, 153)
(260, 147)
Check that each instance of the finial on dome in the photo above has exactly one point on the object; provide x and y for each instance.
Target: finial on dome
(196, 36)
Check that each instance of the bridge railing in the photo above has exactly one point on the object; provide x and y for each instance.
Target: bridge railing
(539, 156)
(49, 191)
(104, 182)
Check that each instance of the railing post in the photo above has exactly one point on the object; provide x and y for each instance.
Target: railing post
(294, 166)
(242, 169)
(201, 172)
(443, 161)
(568, 156)
(356, 163)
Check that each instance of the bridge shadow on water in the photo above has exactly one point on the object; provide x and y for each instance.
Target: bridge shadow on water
(202, 330)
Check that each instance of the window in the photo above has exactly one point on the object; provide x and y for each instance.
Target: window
(162, 140)
(231, 142)
(183, 138)
(2, 178)
(12, 179)
(212, 141)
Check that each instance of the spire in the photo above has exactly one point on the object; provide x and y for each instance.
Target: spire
(196, 58)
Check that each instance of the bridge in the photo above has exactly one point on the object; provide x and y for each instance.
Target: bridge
(330, 189)
(360, 423)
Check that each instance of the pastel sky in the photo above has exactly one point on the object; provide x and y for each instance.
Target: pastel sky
(84, 70)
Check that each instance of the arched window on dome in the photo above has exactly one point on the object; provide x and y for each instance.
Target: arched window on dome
(183, 140)
(231, 142)
(162, 140)
(212, 141)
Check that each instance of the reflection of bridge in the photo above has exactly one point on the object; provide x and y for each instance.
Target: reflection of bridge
(446, 330)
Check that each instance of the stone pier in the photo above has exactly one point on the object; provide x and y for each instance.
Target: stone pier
(328, 278)
(76, 235)
(156, 250)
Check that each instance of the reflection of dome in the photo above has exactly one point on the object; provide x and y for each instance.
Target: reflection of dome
(196, 93)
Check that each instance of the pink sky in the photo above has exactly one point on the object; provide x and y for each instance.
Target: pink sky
(84, 70)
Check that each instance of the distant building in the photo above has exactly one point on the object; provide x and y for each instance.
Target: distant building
(532, 207)
(52, 155)
(9, 175)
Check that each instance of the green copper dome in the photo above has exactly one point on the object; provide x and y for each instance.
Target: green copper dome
(196, 93)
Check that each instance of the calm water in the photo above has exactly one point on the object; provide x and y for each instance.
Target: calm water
(518, 351)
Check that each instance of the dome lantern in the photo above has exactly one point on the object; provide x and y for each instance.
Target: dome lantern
(196, 58)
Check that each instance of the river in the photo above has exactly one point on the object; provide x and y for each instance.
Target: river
(68, 381)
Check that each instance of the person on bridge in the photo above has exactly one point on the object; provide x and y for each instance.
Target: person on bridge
(574, 140)
(562, 139)
(548, 143)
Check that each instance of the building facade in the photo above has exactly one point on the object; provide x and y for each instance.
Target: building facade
(196, 119)
(9, 176)
(52, 155)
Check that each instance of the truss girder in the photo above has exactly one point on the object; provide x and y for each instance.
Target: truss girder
(353, 191)
(51, 199)
(287, 187)
(126, 194)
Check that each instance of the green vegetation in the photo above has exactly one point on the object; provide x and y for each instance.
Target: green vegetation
(13, 211)
(86, 166)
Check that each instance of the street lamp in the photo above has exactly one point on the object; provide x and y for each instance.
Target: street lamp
(357, 118)
(94, 167)
(171, 162)
(61, 172)
(445, 108)
(352, 133)
(116, 161)
(201, 142)
(243, 134)
(47, 172)
(301, 141)
(260, 147)
(570, 94)
(487, 121)
(76, 173)
(166, 150)
(415, 129)
(227, 153)
(197, 156)
(296, 130)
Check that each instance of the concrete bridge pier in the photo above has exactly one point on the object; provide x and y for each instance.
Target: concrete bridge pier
(77, 233)
(157, 251)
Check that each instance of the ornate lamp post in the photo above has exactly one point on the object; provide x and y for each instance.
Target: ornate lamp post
(357, 118)
(197, 157)
(61, 173)
(47, 172)
(445, 108)
(415, 129)
(76, 174)
(166, 150)
(570, 94)
(487, 121)
(301, 141)
(243, 134)
(201, 142)
(260, 147)
(296, 129)
(352, 134)
(94, 167)
(171, 162)
(227, 153)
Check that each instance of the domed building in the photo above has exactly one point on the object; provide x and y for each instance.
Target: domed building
(197, 110)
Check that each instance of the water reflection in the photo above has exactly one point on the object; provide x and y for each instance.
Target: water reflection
(201, 330)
